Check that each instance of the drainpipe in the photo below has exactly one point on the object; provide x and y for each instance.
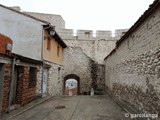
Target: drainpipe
(12, 78)
(42, 62)
(42, 57)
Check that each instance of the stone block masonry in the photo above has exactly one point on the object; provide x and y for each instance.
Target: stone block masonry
(91, 74)
(77, 63)
(132, 70)
(95, 49)
(55, 80)
(39, 82)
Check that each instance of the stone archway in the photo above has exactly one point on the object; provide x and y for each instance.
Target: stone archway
(74, 78)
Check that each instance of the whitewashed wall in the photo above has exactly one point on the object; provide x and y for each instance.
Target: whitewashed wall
(25, 32)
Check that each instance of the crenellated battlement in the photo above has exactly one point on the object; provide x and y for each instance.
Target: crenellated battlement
(59, 23)
(90, 35)
(95, 44)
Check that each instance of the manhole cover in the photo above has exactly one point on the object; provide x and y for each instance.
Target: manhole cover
(60, 107)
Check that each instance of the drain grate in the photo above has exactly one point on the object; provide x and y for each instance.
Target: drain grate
(60, 107)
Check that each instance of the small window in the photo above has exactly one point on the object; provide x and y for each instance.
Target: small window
(87, 33)
(32, 76)
(48, 43)
(58, 50)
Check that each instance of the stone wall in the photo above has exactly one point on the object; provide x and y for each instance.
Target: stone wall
(97, 50)
(98, 78)
(96, 47)
(39, 82)
(76, 62)
(55, 82)
(133, 69)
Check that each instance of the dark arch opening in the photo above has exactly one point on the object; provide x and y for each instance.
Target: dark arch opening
(71, 76)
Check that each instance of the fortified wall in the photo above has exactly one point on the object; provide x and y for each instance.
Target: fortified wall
(132, 70)
(85, 54)
(95, 45)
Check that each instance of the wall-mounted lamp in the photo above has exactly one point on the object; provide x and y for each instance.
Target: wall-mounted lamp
(18, 62)
(52, 32)
(9, 47)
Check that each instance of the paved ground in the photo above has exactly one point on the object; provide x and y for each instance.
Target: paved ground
(76, 108)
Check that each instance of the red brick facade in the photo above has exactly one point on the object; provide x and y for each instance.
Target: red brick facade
(6, 85)
(25, 92)
(25, 87)
(3, 42)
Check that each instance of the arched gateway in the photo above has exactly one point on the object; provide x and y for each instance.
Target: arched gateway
(71, 85)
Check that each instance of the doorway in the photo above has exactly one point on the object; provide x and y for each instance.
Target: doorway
(71, 85)
(45, 78)
(14, 86)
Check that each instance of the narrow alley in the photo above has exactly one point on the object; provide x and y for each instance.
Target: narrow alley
(75, 108)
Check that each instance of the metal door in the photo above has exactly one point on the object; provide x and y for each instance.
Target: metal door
(45, 77)
(14, 87)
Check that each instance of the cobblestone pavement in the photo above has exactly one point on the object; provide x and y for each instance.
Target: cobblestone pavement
(75, 108)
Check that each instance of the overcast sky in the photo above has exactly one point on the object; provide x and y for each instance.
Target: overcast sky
(88, 14)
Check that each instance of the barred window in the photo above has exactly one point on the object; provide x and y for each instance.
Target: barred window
(58, 50)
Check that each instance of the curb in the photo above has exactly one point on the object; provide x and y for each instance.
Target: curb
(25, 108)
(128, 109)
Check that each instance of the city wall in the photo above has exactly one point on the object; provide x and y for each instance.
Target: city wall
(133, 68)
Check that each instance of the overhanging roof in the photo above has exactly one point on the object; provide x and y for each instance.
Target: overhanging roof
(56, 36)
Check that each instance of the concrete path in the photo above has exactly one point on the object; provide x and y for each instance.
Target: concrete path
(75, 108)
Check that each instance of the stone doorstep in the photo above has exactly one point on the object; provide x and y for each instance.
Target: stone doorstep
(13, 107)
(25, 108)
(128, 108)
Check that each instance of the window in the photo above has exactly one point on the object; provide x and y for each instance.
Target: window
(58, 50)
(32, 76)
(48, 43)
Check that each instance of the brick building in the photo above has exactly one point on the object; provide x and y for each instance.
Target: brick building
(18, 77)
(5, 71)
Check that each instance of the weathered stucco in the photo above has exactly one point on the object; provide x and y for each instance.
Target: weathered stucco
(55, 20)
(55, 51)
(24, 31)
